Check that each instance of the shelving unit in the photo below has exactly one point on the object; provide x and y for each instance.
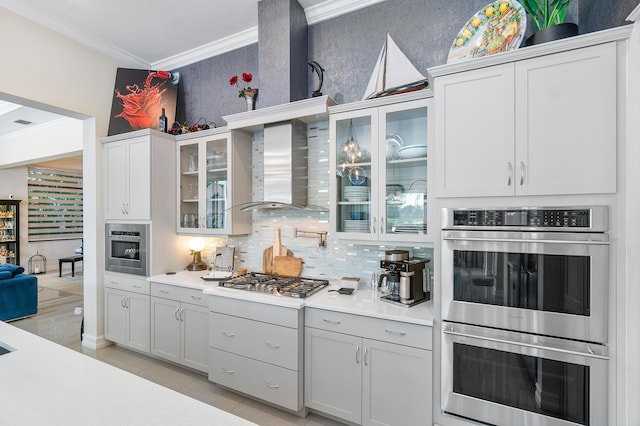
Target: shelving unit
(10, 231)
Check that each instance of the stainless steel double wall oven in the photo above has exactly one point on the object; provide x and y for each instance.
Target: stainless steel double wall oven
(524, 307)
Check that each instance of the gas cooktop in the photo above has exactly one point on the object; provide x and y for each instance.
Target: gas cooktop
(273, 284)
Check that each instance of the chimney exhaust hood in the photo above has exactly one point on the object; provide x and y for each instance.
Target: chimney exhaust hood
(285, 149)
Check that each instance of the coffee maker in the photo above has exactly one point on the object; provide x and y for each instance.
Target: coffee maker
(405, 279)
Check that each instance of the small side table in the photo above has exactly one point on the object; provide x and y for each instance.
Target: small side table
(70, 259)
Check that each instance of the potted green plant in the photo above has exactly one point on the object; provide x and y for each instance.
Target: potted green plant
(549, 16)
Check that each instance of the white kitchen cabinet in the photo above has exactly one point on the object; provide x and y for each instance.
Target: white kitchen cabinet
(367, 370)
(180, 330)
(256, 348)
(214, 179)
(379, 174)
(134, 165)
(127, 311)
(540, 126)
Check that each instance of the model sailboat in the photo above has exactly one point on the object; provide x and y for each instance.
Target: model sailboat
(393, 73)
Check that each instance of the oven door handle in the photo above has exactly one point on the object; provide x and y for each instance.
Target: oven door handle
(558, 346)
(522, 240)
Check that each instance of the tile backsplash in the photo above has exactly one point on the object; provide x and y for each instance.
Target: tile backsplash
(338, 258)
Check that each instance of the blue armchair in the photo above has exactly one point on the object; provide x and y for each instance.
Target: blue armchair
(18, 293)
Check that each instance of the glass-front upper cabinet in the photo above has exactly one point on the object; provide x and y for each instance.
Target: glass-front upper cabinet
(214, 179)
(379, 167)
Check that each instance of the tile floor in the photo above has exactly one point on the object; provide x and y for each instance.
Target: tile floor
(60, 323)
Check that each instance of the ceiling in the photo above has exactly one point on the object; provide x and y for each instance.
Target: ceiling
(152, 34)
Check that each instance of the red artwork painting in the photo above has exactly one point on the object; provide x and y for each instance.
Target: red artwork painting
(139, 97)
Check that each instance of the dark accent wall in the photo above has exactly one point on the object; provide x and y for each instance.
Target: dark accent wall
(204, 86)
(347, 47)
(596, 15)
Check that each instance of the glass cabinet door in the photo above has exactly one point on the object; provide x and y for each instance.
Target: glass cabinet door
(189, 186)
(355, 182)
(8, 233)
(216, 199)
(405, 170)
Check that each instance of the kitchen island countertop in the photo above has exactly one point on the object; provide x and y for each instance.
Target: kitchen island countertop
(48, 384)
(363, 301)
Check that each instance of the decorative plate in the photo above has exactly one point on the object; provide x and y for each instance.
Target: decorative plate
(498, 27)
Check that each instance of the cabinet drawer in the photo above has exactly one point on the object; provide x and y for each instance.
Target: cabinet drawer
(254, 339)
(286, 317)
(181, 294)
(121, 282)
(265, 381)
(403, 333)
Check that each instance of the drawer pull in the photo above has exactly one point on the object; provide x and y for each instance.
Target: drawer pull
(271, 345)
(331, 321)
(196, 297)
(228, 371)
(137, 286)
(271, 386)
(164, 291)
(395, 333)
(224, 333)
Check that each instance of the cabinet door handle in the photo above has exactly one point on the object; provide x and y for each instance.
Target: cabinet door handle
(366, 352)
(509, 173)
(358, 354)
(373, 228)
(271, 386)
(272, 346)
(331, 321)
(176, 314)
(227, 334)
(521, 173)
(228, 371)
(123, 302)
(382, 225)
(127, 302)
(395, 333)
(182, 314)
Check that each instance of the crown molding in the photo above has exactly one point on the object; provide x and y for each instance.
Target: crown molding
(226, 44)
(634, 16)
(334, 8)
(92, 42)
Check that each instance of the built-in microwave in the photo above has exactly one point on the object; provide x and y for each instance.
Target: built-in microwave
(127, 248)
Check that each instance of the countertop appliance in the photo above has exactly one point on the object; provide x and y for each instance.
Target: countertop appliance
(524, 309)
(407, 280)
(127, 248)
(298, 287)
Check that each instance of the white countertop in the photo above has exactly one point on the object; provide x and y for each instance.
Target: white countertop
(363, 301)
(44, 383)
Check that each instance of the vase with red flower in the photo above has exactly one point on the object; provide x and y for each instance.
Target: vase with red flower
(250, 94)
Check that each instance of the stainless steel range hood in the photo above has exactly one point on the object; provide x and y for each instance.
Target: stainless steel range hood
(285, 150)
(285, 165)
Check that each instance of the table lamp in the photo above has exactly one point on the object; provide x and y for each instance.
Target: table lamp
(196, 245)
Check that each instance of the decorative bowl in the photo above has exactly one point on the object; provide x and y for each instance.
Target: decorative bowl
(412, 151)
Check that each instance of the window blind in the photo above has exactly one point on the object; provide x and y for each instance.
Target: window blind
(55, 204)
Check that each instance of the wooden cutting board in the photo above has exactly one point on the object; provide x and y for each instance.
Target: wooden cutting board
(287, 266)
(269, 254)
